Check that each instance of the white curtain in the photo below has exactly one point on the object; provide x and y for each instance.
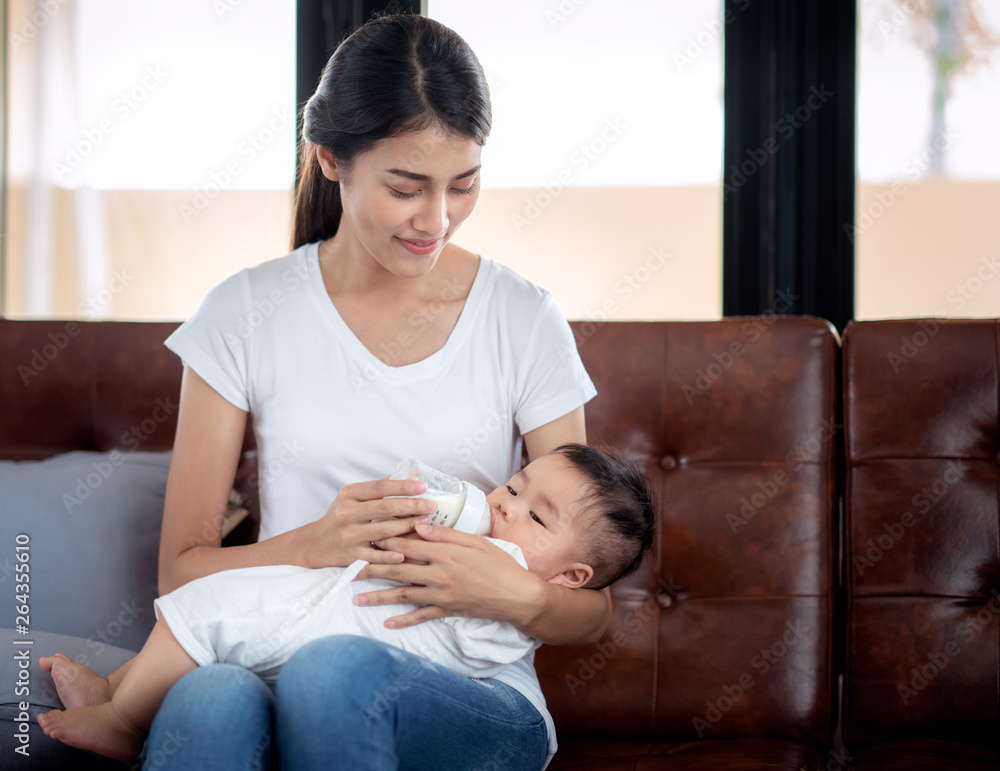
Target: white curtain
(48, 139)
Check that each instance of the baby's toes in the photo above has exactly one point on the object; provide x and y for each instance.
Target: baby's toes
(46, 662)
(51, 722)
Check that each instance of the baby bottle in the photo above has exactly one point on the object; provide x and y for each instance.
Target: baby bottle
(461, 506)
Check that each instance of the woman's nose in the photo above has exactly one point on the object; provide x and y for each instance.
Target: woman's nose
(432, 218)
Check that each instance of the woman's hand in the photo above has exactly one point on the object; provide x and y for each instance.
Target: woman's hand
(362, 514)
(454, 574)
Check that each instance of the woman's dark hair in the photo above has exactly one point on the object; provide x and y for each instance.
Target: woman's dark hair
(394, 75)
(625, 507)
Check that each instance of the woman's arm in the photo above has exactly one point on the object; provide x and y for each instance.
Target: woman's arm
(571, 427)
(202, 469)
(568, 616)
(472, 577)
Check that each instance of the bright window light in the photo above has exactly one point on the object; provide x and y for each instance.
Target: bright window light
(608, 94)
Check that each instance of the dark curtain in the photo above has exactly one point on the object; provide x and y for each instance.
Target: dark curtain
(788, 180)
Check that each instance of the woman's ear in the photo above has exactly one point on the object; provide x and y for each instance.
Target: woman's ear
(574, 577)
(329, 164)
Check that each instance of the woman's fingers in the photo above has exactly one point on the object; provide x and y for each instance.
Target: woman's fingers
(378, 556)
(407, 595)
(383, 498)
(418, 616)
(361, 515)
(457, 575)
(426, 545)
(382, 488)
(403, 571)
(386, 532)
(457, 552)
(403, 540)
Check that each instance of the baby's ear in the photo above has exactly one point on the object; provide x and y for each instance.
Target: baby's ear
(575, 576)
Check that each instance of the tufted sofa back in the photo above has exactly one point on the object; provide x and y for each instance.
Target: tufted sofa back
(922, 542)
(726, 632)
(86, 386)
(96, 386)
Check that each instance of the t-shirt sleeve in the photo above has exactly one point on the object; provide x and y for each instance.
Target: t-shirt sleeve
(552, 380)
(215, 342)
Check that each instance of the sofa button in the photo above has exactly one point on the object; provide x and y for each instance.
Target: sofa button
(668, 463)
(664, 600)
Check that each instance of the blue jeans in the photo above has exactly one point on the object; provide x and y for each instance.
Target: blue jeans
(215, 717)
(346, 703)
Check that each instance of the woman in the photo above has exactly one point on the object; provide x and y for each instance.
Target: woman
(374, 339)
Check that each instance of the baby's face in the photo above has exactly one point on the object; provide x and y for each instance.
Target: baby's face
(541, 510)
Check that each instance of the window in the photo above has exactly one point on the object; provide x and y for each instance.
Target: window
(926, 229)
(602, 176)
(150, 152)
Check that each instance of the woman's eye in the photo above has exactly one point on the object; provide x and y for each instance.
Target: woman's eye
(464, 190)
(400, 194)
(511, 490)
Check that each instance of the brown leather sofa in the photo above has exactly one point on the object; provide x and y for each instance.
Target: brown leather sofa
(824, 591)
(922, 588)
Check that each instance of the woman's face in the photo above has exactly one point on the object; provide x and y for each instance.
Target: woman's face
(405, 197)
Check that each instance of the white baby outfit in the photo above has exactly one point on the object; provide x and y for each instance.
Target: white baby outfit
(258, 617)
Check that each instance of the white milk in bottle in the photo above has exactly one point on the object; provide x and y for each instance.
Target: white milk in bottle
(461, 506)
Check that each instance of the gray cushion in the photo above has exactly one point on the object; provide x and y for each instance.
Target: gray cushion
(35, 689)
(41, 692)
(92, 522)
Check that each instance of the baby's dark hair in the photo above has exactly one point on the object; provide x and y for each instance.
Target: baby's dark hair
(620, 496)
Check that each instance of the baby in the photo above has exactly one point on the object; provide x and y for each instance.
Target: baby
(578, 517)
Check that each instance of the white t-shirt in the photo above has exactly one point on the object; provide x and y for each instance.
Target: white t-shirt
(327, 412)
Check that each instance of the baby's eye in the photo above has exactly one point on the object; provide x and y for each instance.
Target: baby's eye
(534, 516)
(511, 490)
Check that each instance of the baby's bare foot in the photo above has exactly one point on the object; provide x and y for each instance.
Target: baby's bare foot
(77, 685)
(98, 729)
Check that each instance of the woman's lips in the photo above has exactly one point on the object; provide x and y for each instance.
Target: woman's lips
(420, 247)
